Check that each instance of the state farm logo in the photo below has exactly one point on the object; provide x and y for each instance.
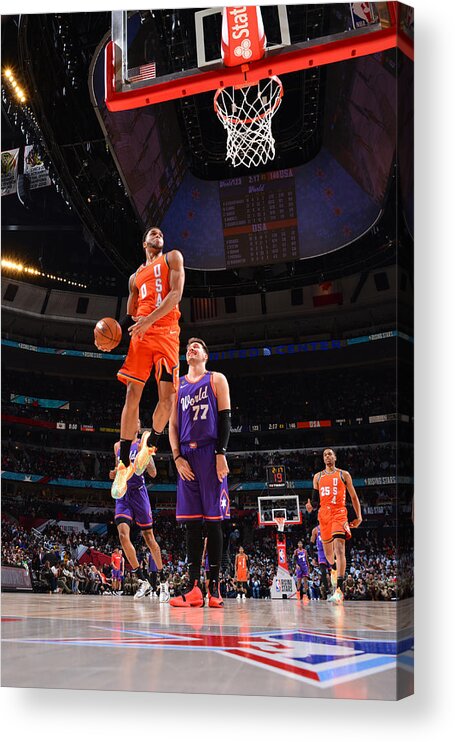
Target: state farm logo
(244, 50)
(240, 26)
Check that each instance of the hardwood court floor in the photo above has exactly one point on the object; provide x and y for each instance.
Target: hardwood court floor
(260, 647)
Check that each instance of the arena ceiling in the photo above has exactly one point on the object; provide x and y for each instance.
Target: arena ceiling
(86, 225)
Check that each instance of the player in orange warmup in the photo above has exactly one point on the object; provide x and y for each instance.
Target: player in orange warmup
(155, 290)
(241, 573)
(330, 487)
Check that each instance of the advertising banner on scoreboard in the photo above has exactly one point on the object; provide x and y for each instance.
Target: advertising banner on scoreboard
(10, 162)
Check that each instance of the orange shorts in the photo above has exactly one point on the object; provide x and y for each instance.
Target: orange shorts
(159, 348)
(242, 577)
(333, 524)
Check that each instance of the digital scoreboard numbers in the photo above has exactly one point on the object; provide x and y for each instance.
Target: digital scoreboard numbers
(259, 217)
(276, 477)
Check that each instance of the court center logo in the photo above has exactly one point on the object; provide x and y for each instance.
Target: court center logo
(318, 659)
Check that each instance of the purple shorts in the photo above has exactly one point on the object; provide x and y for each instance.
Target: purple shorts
(134, 505)
(205, 498)
(301, 572)
(116, 574)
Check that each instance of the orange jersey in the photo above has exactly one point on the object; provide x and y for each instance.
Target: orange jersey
(116, 560)
(332, 490)
(241, 567)
(152, 282)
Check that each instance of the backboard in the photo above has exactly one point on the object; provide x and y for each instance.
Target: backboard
(273, 506)
(154, 56)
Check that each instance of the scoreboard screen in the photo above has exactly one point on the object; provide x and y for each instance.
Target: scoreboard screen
(276, 477)
(259, 217)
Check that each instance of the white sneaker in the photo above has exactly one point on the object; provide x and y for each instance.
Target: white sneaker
(144, 589)
(145, 455)
(243, 597)
(239, 598)
(337, 597)
(120, 483)
(164, 593)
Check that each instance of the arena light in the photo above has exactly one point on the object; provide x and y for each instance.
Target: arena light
(14, 266)
(14, 85)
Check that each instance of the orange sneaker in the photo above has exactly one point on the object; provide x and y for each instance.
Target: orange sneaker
(306, 600)
(215, 599)
(193, 598)
(298, 596)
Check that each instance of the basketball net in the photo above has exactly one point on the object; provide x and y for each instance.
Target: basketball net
(246, 111)
(280, 523)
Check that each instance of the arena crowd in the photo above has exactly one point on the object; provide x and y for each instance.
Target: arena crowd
(51, 557)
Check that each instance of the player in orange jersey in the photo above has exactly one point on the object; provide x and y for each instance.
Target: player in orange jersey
(330, 487)
(155, 290)
(241, 573)
(118, 569)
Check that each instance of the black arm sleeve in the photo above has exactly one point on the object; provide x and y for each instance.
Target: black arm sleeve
(126, 322)
(315, 499)
(224, 430)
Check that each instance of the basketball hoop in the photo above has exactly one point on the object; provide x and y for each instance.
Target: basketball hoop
(280, 523)
(246, 113)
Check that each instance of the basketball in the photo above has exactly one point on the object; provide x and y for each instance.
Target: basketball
(108, 333)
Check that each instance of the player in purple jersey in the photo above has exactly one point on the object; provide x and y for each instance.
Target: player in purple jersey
(199, 431)
(301, 572)
(135, 506)
(322, 559)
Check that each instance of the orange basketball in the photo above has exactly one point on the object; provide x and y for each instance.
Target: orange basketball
(108, 333)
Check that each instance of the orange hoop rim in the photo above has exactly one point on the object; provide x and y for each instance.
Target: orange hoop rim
(236, 121)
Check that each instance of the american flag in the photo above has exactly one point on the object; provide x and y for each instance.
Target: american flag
(203, 309)
(144, 72)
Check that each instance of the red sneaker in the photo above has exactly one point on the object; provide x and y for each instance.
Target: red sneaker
(193, 598)
(215, 599)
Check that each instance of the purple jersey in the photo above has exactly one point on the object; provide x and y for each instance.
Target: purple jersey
(205, 497)
(198, 411)
(322, 559)
(300, 558)
(301, 567)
